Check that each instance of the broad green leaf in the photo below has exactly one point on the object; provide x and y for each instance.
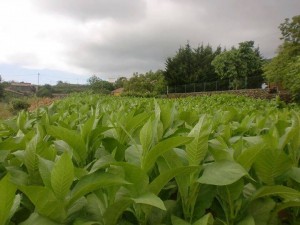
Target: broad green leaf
(13, 143)
(173, 160)
(295, 174)
(178, 221)
(222, 173)
(94, 182)
(45, 168)
(159, 182)
(115, 210)
(205, 220)
(72, 138)
(286, 137)
(270, 164)
(219, 149)
(285, 205)
(76, 206)
(231, 192)
(282, 191)
(31, 160)
(45, 202)
(95, 206)
(167, 114)
(3, 155)
(84, 222)
(7, 196)
(36, 219)
(261, 210)
(15, 206)
(137, 178)
(161, 148)
(146, 136)
(88, 126)
(133, 155)
(62, 176)
(249, 220)
(249, 155)
(103, 162)
(18, 176)
(189, 117)
(197, 149)
(205, 198)
(150, 199)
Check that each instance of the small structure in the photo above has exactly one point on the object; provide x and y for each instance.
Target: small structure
(26, 88)
(275, 87)
(117, 92)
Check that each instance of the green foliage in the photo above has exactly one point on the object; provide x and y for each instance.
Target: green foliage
(98, 85)
(67, 88)
(149, 84)
(242, 62)
(19, 104)
(45, 91)
(120, 82)
(284, 68)
(191, 65)
(1, 88)
(213, 160)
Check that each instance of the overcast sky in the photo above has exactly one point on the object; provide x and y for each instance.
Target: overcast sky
(70, 40)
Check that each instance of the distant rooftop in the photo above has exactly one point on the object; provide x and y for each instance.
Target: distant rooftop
(23, 84)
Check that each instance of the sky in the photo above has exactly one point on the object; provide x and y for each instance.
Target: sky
(71, 40)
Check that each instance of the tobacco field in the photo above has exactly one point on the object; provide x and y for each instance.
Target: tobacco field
(90, 160)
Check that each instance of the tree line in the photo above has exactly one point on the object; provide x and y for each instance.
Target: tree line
(284, 68)
(204, 64)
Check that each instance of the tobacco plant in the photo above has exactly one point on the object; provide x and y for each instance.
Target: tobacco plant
(218, 160)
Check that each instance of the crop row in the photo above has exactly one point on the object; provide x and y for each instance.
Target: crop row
(86, 160)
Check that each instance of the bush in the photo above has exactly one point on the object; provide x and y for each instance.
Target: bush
(18, 105)
(139, 94)
(1, 91)
(45, 91)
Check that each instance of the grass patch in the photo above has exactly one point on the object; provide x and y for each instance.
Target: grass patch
(4, 111)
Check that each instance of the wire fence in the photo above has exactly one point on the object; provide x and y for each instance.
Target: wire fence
(254, 82)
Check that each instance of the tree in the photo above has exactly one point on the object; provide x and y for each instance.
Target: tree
(179, 68)
(120, 82)
(150, 83)
(239, 63)
(284, 67)
(100, 86)
(45, 91)
(1, 88)
(191, 65)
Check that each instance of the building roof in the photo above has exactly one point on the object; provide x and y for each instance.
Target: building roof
(119, 90)
(22, 84)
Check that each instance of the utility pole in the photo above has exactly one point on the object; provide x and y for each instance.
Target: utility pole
(38, 84)
(37, 89)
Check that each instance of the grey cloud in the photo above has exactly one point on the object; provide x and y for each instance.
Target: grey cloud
(146, 43)
(99, 9)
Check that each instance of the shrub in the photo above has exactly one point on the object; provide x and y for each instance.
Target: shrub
(19, 104)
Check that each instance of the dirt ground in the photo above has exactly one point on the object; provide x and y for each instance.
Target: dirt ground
(35, 103)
